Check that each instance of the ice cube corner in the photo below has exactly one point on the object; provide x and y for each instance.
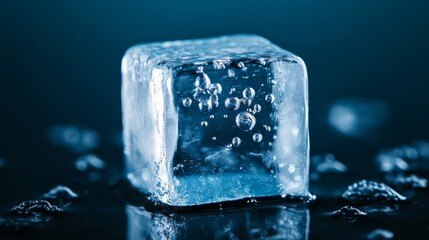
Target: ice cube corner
(216, 119)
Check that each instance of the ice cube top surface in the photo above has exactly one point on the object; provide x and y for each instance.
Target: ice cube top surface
(214, 120)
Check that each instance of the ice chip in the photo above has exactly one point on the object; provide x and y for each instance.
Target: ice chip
(364, 192)
(380, 234)
(348, 213)
(183, 101)
(35, 211)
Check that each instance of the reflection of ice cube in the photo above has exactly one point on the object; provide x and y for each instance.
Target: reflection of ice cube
(276, 222)
(194, 133)
(357, 117)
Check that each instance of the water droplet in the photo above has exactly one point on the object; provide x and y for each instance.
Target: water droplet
(236, 141)
(232, 90)
(247, 102)
(187, 102)
(204, 124)
(371, 192)
(349, 213)
(216, 88)
(202, 81)
(214, 138)
(211, 116)
(249, 93)
(232, 103)
(269, 98)
(89, 162)
(225, 116)
(245, 121)
(257, 137)
(268, 128)
(257, 108)
(206, 105)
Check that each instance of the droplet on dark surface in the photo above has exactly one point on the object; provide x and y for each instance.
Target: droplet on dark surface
(348, 213)
(35, 211)
(89, 162)
(74, 138)
(380, 234)
(411, 181)
(61, 195)
(364, 192)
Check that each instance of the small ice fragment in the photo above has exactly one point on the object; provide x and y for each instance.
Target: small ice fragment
(327, 164)
(60, 194)
(75, 138)
(88, 162)
(412, 181)
(371, 192)
(349, 213)
(356, 117)
(389, 163)
(380, 234)
(35, 210)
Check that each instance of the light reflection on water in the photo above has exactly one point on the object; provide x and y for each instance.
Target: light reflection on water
(271, 222)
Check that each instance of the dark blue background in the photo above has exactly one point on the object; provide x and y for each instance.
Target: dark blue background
(60, 63)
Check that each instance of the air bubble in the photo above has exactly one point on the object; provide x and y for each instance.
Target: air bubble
(204, 124)
(236, 141)
(247, 102)
(249, 93)
(206, 105)
(269, 98)
(245, 121)
(257, 137)
(232, 103)
(211, 116)
(187, 102)
(202, 81)
(216, 88)
(214, 138)
(257, 108)
(225, 116)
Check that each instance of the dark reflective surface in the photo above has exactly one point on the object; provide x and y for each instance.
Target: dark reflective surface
(60, 64)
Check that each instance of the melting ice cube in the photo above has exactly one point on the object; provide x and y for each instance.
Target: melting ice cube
(214, 120)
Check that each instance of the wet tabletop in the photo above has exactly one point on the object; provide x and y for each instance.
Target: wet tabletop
(60, 70)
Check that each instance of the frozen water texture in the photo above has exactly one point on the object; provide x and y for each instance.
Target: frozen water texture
(326, 163)
(61, 195)
(380, 234)
(89, 162)
(371, 192)
(357, 117)
(230, 111)
(411, 181)
(404, 158)
(74, 138)
(35, 211)
(349, 213)
(277, 222)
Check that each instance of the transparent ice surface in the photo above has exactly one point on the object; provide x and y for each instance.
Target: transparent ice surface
(263, 223)
(214, 120)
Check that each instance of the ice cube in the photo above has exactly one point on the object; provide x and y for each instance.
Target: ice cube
(230, 111)
(274, 222)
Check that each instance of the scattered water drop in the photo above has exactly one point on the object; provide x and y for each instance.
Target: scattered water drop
(269, 98)
(257, 108)
(225, 116)
(214, 138)
(257, 137)
(371, 192)
(202, 81)
(89, 162)
(236, 141)
(245, 121)
(379, 234)
(35, 211)
(211, 116)
(60, 194)
(187, 102)
(232, 103)
(204, 124)
(349, 213)
(249, 93)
